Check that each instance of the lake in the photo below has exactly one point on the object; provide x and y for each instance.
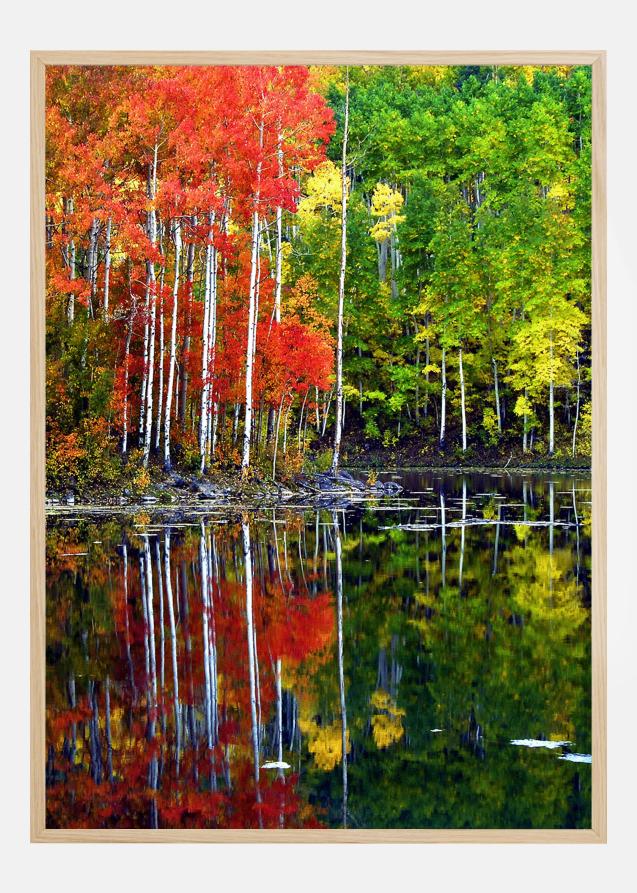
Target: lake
(418, 661)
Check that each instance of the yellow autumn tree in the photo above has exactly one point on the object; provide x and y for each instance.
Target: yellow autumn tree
(322, 192)
(386, 204)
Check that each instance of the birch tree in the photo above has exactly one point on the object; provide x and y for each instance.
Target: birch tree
(173, 345)
(252, 312)
(341, 289)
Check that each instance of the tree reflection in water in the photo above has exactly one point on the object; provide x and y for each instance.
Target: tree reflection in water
(379, 659)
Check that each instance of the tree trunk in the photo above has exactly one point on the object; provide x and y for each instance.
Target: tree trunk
(71, 264)
(551, 403)
(279, 239)
(190, 276)
(496, 389)
(285, 427)
(92, 265)
(443, 398)
(129, 334)
(394, 264)
(341, 289)
(579, 376)
(107, 267)
(426, 406)
(173, 346)
(417, 389)
(160, 390)
(142, 401)
(462, 401)
(235, 424)
(276, 438)
(252, 317)
(208, 333)
(152, 227)
(551, 417)
(525, 425)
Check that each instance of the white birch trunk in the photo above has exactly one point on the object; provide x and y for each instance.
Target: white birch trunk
(551, 417)
(152, 227)
(71, 262)
(579, 378)
(525, 425)
(107, 266)
(160, 391)
(205, 352)
(126, 373)
(250, 347)
(148, 420)
(142, 402)
(208, 345)
(190, 275)
(496, 390)
(173, 346)
(212, 346)
(462, 401)
(92, 264)
(341, 290)
(443, 397)
(279, 239)
(551, 401)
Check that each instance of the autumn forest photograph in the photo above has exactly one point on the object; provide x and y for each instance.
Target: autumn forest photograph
(318, 446)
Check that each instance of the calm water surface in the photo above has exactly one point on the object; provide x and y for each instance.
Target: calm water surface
(213, 672)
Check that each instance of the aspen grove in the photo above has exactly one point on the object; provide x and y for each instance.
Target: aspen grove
(250, 265)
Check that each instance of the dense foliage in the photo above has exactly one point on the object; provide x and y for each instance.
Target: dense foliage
(193, 225)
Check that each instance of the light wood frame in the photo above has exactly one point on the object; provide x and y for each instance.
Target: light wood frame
(597, 832)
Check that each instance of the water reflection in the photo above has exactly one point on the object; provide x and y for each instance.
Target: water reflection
(360, 668)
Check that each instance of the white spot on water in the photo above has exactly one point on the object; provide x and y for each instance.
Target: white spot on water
(577, 757)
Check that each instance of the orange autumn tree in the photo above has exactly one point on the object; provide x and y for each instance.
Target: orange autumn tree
(167, 193)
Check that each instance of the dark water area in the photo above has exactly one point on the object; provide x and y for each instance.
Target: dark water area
(213, 673)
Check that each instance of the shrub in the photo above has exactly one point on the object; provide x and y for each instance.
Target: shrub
(322, 461)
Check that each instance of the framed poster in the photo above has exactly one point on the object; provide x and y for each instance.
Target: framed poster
(318, 447)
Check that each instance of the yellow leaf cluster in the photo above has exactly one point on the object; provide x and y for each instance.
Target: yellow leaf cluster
(386, 203)
(322, 191)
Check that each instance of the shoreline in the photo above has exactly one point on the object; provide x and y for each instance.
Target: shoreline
(181, 496)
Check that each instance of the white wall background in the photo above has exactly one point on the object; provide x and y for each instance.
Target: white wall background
(329, 24)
